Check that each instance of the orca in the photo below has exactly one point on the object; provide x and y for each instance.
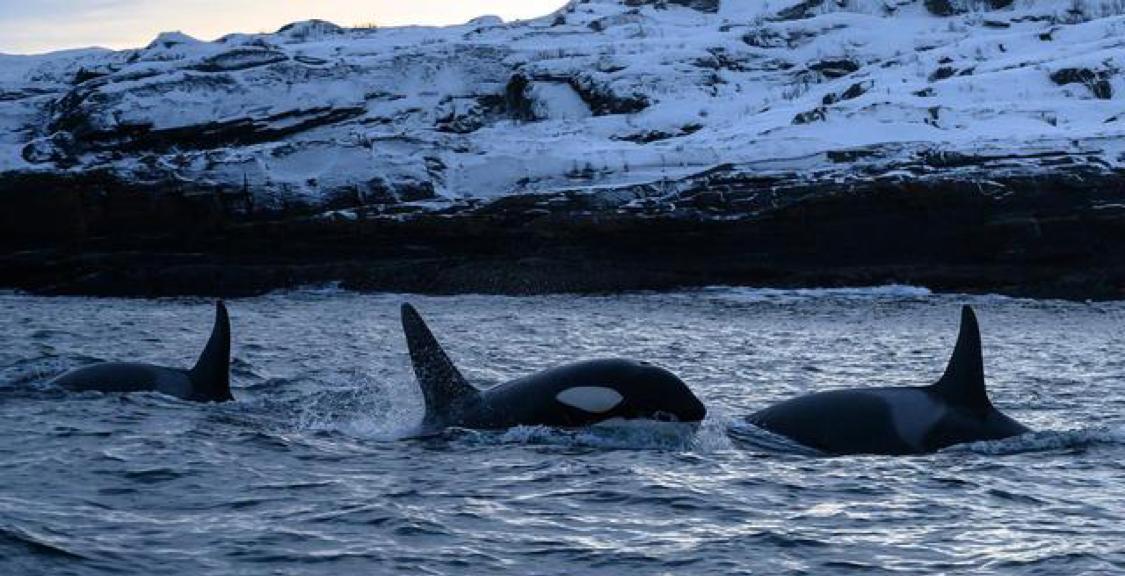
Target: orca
(899, 421)
(208, 381)
(572, 395)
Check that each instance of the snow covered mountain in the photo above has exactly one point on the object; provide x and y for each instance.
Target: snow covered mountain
(615, 144)
(647, 98)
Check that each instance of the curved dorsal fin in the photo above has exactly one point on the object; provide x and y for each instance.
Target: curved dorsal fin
(211, 374)
(963, 381)
(444, 389)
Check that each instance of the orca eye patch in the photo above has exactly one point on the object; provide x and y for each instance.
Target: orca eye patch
(592, 399)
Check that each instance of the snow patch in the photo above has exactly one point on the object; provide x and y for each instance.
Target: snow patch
(615, 94)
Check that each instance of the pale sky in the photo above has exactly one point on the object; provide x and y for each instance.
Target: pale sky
(33, 26)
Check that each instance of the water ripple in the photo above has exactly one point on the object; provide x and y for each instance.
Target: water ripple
(317, 470)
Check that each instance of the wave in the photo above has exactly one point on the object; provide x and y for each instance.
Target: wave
(319, 289)
(39, 369)
(610, 435)
(350, 404)
(755, 439)
(750, 437)
(1047, 441)
(617, 434)
(16, 537)
(359, 407)
(793, 295)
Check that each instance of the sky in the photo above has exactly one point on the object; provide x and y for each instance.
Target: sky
(34, 26)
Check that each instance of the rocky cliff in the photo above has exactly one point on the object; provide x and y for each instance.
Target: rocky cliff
(964, 144)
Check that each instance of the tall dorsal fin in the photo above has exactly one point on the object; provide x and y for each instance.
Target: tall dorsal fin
(211, 374)
(963, 381)
(444, 389)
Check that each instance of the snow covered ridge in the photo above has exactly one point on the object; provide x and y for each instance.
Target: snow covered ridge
(603, 94)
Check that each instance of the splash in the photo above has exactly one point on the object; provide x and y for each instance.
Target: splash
(752, 438)
(797, 295)
(33, 373)
(364, 411)
(351, 404)
(610, 435)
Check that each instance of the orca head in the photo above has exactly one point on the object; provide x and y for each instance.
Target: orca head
(634, 390)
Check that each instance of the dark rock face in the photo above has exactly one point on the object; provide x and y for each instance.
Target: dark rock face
(953, 7)
(241, 59)
(940, 7)
(942, 73)
(815, 115)
(856, 90)
(834, 68)
(601, 97)
(309, 30)
(647, 137)
(853, 91)
(1097, 82)
(463, 115)
(604, 100)
(392, 161)
(81, 137)
(708, 6)
(799, 10)
(516, 100)
(1041, 235)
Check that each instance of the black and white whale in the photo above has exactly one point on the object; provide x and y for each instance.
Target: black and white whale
(208, 381)
(573, 395)
(896, 421)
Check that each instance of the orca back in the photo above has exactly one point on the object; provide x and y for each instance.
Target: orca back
(126, 377)
(838, 422)
(907, 420)
(208, 381)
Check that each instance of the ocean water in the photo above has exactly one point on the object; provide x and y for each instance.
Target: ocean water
(315, 470)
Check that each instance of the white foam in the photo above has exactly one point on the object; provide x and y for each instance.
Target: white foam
(612, 435)
(1047, 440)
(781, 295)
(362, 409)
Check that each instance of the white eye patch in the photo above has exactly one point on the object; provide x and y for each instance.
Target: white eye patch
(592, 399)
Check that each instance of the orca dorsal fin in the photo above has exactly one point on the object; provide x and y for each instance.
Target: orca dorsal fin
(963, 381)
(444, 389)
(211, 374)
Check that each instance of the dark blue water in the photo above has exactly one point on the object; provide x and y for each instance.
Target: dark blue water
(312, 471)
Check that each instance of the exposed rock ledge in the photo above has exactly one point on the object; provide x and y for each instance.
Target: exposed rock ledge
(945, 226)
(959, 144)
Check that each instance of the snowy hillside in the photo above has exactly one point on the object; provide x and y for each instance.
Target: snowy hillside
(604, 94)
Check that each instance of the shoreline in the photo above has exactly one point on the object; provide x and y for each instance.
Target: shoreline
(173, 275)
(1053, 236)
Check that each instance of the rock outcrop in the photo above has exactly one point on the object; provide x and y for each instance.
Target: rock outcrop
(697, 141)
